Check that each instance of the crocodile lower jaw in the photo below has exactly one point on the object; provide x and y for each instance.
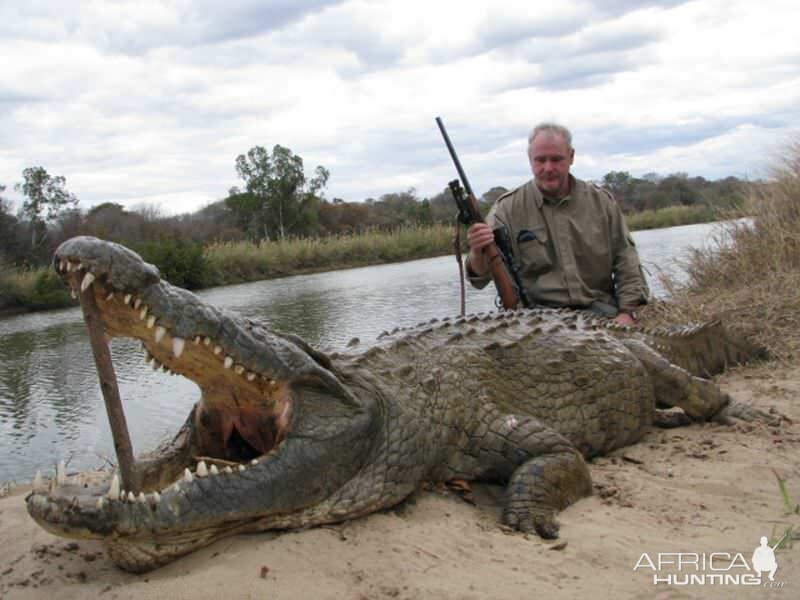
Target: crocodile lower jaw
(240, 421)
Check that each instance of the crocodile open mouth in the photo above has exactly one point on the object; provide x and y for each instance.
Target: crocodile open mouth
(243, 414)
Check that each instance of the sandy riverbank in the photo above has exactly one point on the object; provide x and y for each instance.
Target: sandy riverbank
(697, 489)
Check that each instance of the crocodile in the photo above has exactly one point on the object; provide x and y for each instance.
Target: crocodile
(287, 436)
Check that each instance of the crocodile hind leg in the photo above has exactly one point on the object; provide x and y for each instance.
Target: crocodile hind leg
(544, 472)
(699, 398)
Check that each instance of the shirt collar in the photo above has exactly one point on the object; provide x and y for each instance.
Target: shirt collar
(540, 198)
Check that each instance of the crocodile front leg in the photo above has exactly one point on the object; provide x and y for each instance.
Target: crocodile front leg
(544, 472)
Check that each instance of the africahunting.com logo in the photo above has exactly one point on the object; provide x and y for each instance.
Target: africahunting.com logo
(716, 568)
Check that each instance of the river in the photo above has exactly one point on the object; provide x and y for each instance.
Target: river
(50, 402)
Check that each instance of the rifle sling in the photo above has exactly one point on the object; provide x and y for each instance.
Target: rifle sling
(457, 248)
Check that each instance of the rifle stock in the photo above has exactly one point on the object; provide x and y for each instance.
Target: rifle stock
(500, 276)
(469, 213)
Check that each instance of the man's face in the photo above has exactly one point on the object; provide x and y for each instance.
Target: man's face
(550, 159)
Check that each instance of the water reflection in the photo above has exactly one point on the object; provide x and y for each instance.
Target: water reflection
(50, 402)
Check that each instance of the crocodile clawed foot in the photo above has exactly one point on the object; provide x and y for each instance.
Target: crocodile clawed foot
(736, 411)
(670, 419)
(526, 520)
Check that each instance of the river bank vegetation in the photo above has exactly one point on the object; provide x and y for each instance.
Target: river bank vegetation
(749, 277)
(279, 223)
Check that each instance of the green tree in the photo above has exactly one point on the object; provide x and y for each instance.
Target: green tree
(618, 183)
(46, 197)
(680, 189)
(247, 211)
(491, 196)
(8, 224)
(283, 199)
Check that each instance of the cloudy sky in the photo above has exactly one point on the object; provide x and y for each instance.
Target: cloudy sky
(149, 102)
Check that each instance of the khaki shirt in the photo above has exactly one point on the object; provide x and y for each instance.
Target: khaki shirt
(571, 251)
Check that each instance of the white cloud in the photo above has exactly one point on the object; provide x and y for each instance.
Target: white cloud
(151, 101)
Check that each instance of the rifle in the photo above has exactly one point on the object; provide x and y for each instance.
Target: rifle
(499, 255)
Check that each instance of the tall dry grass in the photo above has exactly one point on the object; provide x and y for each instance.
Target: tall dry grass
(243, 261)
(750, 275)
(670, 216)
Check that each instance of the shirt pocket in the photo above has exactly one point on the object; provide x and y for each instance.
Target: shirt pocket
(534, 251)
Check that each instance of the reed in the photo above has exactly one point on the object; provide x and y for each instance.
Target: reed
(670, 216)
(749, 275)
(236, 262)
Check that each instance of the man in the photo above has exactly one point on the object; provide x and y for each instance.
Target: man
(569, 237)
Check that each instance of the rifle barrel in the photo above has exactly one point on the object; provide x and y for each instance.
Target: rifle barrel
(454, 156)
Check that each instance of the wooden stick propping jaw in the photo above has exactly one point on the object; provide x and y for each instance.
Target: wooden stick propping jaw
(110, 389)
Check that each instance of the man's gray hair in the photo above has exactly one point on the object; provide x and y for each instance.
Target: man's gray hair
(553, 129)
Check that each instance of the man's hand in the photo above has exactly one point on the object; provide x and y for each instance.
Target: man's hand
(624, 319)
(479, 235)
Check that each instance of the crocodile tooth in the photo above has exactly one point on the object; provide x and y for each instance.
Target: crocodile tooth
(131, 497)
(151, 321)
(127, 299)
(254, 461)
(241, 468)
(228, 362)
(69, 267)
(238, 369)
(197, 340)
(62, 265)
(87, 281)
(187, 476)
(155, 364)
(141, 499)
(113, 490)
(214, 470)
(228, 470)
(177, 346)
(73, 293)
(202, 471)
(207, 341)
(156, 497)
(250, 376)
(110, 296)
(101, 502)
(61, 473)
(38, 484)
(160, 332)
(137, 303)
(143, 312)
(217, 349)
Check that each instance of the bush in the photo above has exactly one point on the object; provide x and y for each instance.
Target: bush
(36, 289)
(182, 263)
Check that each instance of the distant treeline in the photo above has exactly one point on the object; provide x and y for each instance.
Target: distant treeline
(240, 217)
(280, 203)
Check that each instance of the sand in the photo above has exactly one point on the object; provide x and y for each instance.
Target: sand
(697, 489)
